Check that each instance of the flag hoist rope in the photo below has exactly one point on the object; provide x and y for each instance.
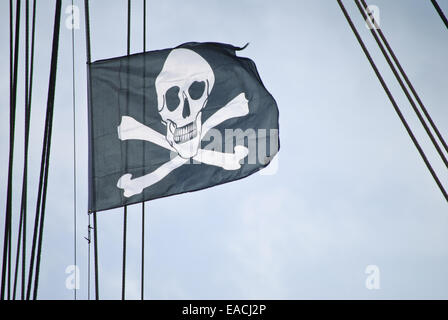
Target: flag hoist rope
(95, 225)
(142, 283)
(125, 208)
(391, 98)
(74, 153)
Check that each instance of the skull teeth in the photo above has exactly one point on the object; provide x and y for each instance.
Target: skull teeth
(185, 133)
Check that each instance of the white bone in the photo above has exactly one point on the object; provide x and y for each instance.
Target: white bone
(227, 161)
(132, 129)
(135, 186)
(237, 107)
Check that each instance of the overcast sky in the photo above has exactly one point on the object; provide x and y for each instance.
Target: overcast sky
(351, 189)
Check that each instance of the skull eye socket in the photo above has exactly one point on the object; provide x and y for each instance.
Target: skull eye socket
(196, 90)
(172, 98)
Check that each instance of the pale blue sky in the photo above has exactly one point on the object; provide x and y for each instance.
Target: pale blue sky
(351, 189)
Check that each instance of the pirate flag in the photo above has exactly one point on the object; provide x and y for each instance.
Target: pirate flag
(171, 121)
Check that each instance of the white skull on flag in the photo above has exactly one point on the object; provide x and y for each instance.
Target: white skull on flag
(183, 87)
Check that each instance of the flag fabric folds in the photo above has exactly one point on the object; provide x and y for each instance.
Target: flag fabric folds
(177, 120)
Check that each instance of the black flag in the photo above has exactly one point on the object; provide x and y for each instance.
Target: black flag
(177, 120)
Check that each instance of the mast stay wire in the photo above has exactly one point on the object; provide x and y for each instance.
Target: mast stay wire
(29, 67)
(50, 107)
(373, 29)
(440, 12)
(14, 52)
(408, 82)
(391, 98)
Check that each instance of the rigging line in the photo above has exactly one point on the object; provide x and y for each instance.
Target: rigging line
(129, 29)
(50, 105)
(16, 63)
(6, 242)
(39, 192)
(391, 98)
(95, 252)
(74, 150)
(11, 37)
(87, 22)
(123, 278)
(125, 209)
(11, 62)
(88, 257)
(30, 95)
(37, 214)
(400, 81)
(142, 289)
(423, 122)
(88, 56)
(21, 226)
(408, 82)
(6, 267)
(38, 205)
(440, 12)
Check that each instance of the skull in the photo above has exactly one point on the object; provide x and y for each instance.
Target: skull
(183, 87)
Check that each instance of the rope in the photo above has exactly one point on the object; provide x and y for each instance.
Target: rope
(95, 248)
(29, 102)
(391, 98)
(95, 226)
(6, 266)
(22, 219)
(440, 12)
(45, 161)
(89, 240)
(50, 105)
(19, 237)
(125, 209)
(142, 289)
(408, 82)
(74, 150)
(400, 81)
(30, 95)
(16, 63)
(87, 21)
(123, 278)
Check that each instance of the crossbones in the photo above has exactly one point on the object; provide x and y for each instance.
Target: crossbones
(131, 129)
